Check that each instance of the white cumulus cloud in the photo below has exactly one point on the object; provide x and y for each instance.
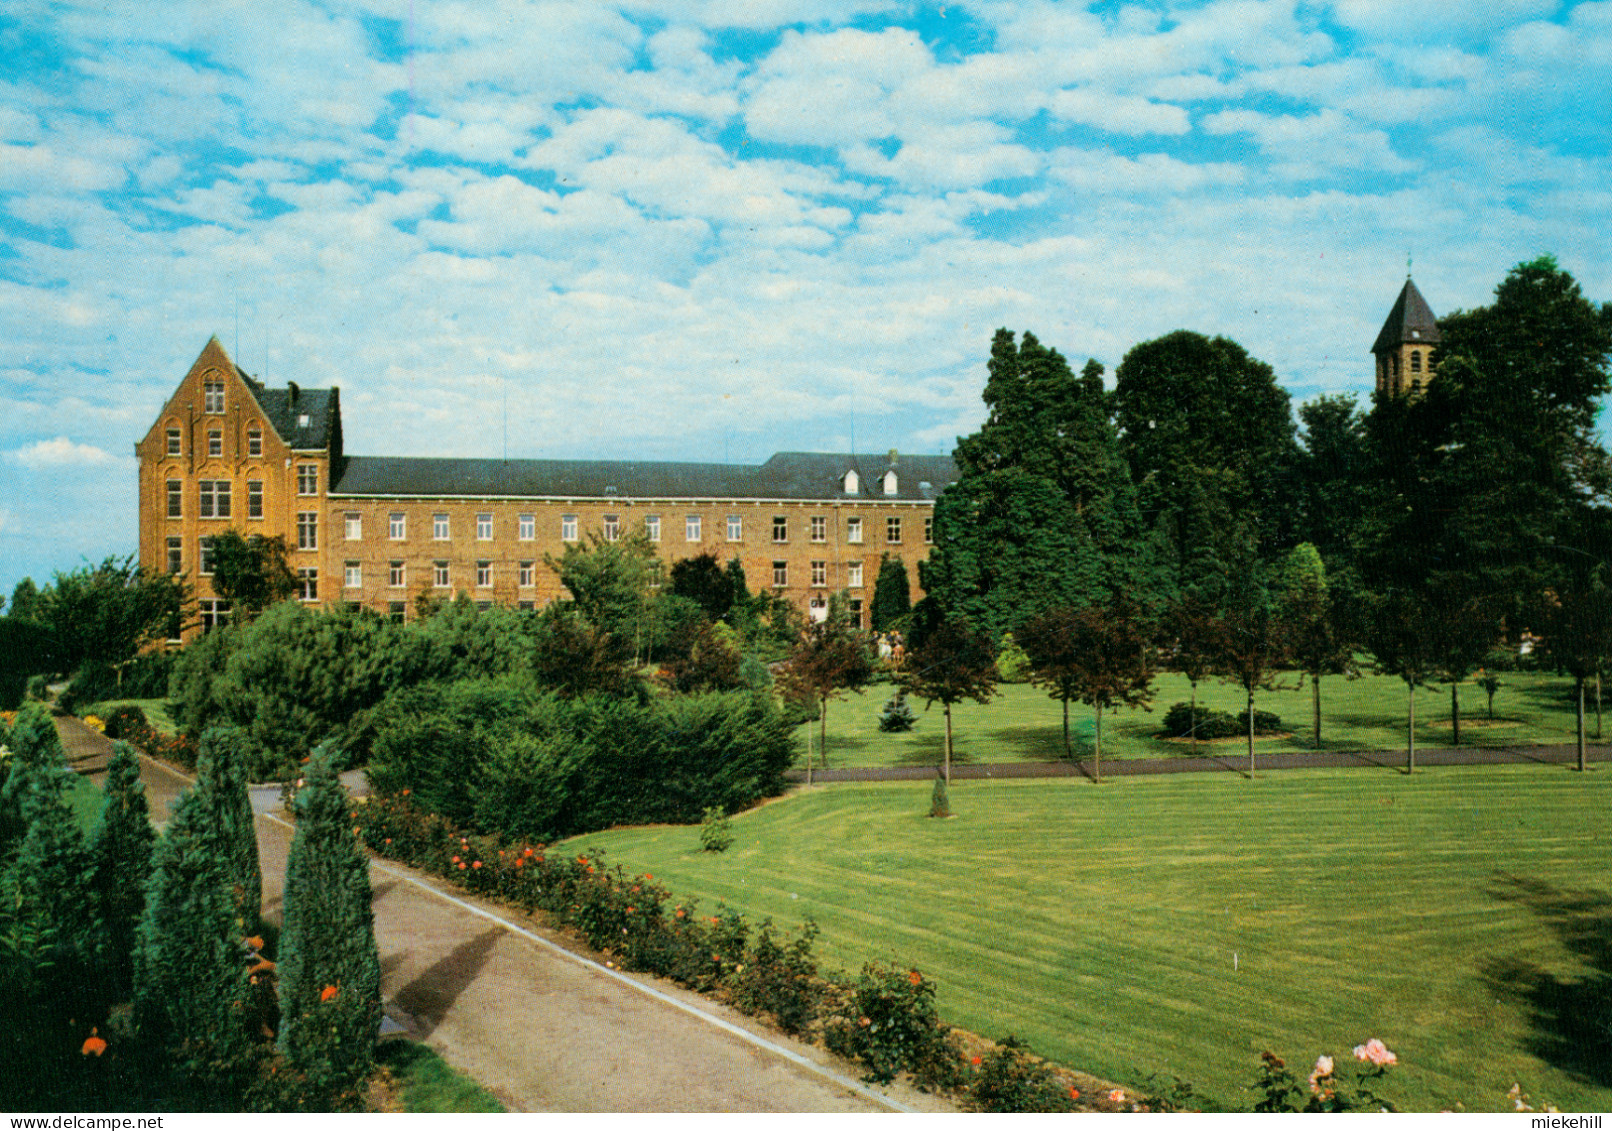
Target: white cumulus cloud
(61, 452)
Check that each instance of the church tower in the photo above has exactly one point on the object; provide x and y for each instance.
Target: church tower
(1404, 348)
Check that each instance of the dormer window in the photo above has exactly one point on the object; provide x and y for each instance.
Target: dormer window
(853, 482)
(302, 420)
(890, 482)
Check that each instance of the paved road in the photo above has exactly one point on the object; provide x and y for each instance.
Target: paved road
(535, 1019)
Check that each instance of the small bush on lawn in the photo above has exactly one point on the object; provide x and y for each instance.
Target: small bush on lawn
(1214, 724)
(887, 1021)
(1011, 1078)
(716, 831)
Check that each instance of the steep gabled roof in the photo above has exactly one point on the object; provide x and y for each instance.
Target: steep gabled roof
(787, 475)
(306, 419)
(1411, 320)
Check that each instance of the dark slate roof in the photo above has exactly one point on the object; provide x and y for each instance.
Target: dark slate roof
(286, 408)
(1411, 320)
(787, 475)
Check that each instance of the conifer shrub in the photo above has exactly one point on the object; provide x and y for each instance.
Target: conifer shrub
(897, 715)
(221, 774)
(329, 968)
(940, 804)
(191, 988)
(120, 848)
(716, 831)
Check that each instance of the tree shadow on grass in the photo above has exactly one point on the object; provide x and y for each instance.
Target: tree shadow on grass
(1571, 1014)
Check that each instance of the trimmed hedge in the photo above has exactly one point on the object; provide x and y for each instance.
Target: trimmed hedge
(1214, 724)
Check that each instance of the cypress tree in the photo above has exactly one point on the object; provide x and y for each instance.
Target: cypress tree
(120, 862)
(329, 973)
(36, 749)
(190, 980)
(221, 773)
(892, 595)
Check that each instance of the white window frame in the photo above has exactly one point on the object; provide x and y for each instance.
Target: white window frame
(176, 498)
(526, 530)
(213, 398)
(610, 525)
(204, 555)
(484, 526)
(780, 529)
(853, 529)
(397, 526)
(254, 498)
(892, 526)
(440, 577)
(652, 527)
(819, 573)
(484, 575)
(213, 498)
(527, 577)
(308, 584)
(691, 528)
(397, 574)
(568, 528)
(215, 444)
(307, 530)
(175, 443)
(352, 575)
(254, 443)
(440, 530)
(819, 528)
(735, 528)
(307, 479)
(780, 574)
(853, 575)
(353, 526)
(176, 555)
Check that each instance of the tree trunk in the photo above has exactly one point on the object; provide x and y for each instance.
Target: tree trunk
(1410, 732)
(822, 734)
(1250, 732)
(1097, 741)
(1315, 698)
(1598, 706)
(1194, 731)
(948, 708)
(1580, 682)
(1068, 750)
(808, 755)
(1455, 714)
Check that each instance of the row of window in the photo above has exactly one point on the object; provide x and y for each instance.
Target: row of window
(611, 527)
(397, 570)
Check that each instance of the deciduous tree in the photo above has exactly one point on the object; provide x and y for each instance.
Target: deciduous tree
(948, 661)
(832, 658)
(251, 572)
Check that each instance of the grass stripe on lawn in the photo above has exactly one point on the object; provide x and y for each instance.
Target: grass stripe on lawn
(1461, 914)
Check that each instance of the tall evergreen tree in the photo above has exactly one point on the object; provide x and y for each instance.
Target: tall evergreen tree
(892, 595)
(190, 980)
(221, 776)
(120, 848)
(1202, 424)
(329, 971)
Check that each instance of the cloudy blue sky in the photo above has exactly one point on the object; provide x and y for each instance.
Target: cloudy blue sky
(708, 229)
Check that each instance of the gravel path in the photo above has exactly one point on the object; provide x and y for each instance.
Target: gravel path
(532, 1016)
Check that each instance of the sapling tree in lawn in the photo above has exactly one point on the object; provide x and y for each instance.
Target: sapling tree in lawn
(1253, 646)
(1101, 655)
(1317, 646)
(120, 850)
(1578, 639)
(1399, 633)
(329, 972)
(831, 659)
(948, 661)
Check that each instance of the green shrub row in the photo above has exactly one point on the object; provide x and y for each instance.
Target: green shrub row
(498, 756)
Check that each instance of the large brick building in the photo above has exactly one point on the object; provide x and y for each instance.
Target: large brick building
(377, 531)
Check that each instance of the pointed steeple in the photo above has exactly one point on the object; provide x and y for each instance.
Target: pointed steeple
(1404, 346)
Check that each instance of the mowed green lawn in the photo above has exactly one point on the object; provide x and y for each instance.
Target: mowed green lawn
(1024, 724)
(1183, 924)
